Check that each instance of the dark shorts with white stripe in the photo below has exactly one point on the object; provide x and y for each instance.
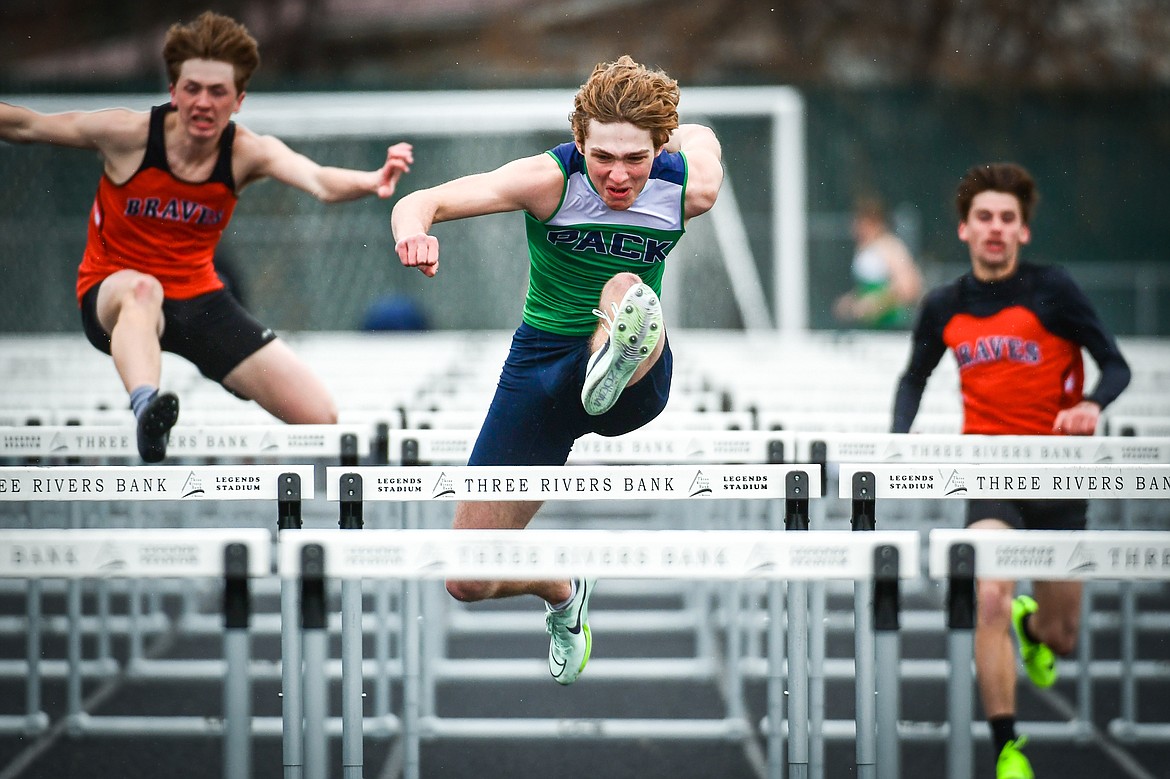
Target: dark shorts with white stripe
(536, 413)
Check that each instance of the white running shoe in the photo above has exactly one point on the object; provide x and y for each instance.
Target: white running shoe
(571, 640)
(634, 330)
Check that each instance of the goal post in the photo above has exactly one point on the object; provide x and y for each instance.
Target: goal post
(765, 173)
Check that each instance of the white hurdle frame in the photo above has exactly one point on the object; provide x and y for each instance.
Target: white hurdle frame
(98, 484)
(1014, 481)
(235, 555)
(534, 553)
(827, 448)
(668, 482)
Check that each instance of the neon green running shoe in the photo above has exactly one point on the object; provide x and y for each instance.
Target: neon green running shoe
(1011, 763)
(634, 329)
(568, 652)
(1039, 660)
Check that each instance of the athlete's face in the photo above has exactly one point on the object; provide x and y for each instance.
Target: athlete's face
(994, 231)
(206, 97)
(618, 157)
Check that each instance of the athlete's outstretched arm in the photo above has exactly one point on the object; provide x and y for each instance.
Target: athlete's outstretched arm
(109, 130)
(704, 165)
(532, 184)
(265, 156)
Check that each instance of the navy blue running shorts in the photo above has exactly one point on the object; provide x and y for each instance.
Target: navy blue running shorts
(536, 413)
(213, 331)
(1059, 514)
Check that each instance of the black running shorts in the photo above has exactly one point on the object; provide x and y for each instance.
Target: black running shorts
(213, 331)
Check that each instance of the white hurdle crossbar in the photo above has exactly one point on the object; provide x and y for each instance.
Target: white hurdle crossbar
(865, 484)
(57, 483)
(83, 553)
(284, 441)
(426, 446)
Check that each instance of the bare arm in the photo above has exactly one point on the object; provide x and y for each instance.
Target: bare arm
(117, 133)
(532, 184)
(905, 280)
(264, 156)
(704, 165)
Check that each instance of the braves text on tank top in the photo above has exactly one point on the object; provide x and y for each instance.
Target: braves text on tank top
(574, 252)
(158, 224)
(1013, 342)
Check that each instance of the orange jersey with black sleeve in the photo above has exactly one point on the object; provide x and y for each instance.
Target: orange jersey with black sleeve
(1017, 343)
(157, 224)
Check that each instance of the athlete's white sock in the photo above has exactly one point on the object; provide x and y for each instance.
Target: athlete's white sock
(565, 603)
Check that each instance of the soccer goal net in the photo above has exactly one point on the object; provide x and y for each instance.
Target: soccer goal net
(303, 265)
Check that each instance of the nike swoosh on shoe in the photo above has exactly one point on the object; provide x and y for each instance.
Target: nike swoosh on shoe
(576, 628)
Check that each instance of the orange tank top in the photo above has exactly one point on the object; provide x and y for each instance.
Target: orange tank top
(158, 224)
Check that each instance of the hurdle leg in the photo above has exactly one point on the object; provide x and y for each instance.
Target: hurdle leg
(960, 651)
(796, 520)
(411, 673)
(315, 640)
(382, 648)
(863, 646)
(776, 680)
(816, 657)
(34, 718)
(288, 508)
(292, 693)
(1085, 663)
(352, 758)
(888, 660)
(237, 691)
(816, 680)
(863, 520)
(1128, 704)
(732, 679)
(104, 650)
(798, 680)
(73, 650)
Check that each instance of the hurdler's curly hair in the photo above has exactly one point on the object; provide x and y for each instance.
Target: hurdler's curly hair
(624, 91)
(212, 36)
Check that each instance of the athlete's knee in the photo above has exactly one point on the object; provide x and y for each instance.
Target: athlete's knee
(469, 591)
(995, 604)
(326, 413)
(144, 291)
(620, 282)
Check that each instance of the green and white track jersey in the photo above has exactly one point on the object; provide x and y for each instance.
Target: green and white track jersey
(573, 253)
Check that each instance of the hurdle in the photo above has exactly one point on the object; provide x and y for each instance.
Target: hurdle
(831, 448)
(425, 446)
(96, 485)
(76, 554)
(831, 554)
(1076, 556)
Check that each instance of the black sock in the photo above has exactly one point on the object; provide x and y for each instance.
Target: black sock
(1027, 630)
(1003, 730)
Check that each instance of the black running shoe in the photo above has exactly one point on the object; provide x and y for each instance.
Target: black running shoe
(155, 424)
